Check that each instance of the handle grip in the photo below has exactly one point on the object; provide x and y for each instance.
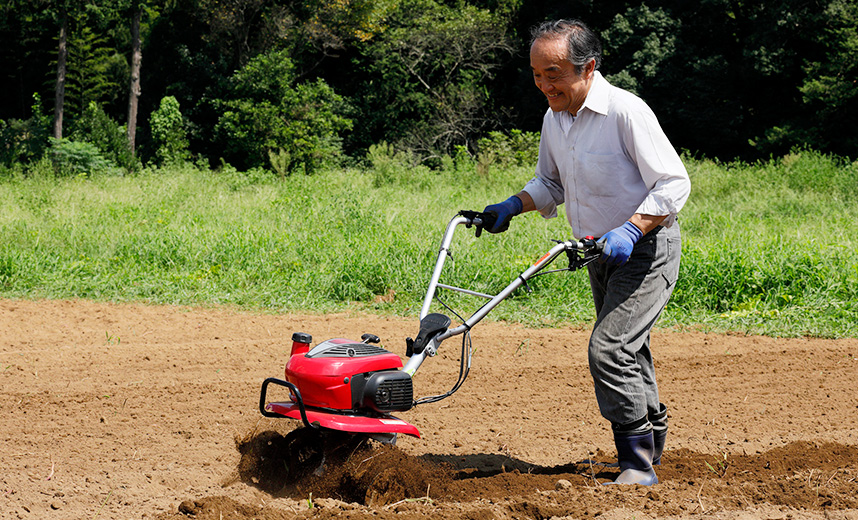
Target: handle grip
(479, 220)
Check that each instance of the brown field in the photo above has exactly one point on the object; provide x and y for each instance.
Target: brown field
(131, 411)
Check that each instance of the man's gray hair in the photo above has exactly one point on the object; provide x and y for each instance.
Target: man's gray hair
(582, 44)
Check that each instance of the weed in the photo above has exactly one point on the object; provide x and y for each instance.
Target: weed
(102, 505)
(719, 466)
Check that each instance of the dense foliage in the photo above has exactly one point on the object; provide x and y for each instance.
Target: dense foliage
(292, 84)
(268, 112)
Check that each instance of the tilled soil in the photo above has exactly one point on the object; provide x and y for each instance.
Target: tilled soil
(132, 411)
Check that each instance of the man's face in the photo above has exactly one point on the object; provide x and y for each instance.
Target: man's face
(555, 76)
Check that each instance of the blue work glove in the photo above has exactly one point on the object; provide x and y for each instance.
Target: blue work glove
(618, 244)
(504, 211)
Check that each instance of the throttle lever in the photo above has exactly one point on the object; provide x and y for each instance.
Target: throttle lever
(479, 219)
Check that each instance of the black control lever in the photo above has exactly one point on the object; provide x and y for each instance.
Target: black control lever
(580, 258)
(430, 326)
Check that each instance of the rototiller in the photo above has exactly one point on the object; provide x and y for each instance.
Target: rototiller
(345, 391)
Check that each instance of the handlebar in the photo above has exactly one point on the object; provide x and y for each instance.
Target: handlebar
(479, 219)
(579, 252)
(483, 221)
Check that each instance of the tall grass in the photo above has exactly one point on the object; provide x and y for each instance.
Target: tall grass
(770, 247)
(767, 248)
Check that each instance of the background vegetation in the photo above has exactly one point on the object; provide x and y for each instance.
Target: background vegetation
(315, 81)
(768, 247)
(307, 154)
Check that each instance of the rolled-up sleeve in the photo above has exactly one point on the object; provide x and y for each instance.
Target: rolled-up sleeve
(545, 188)
(660, 166)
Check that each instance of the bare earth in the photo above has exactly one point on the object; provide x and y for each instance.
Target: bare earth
(133, 411)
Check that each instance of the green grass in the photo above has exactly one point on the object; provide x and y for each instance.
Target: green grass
(768, 248)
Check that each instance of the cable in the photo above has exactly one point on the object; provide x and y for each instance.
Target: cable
(438, 297)
(464, 369)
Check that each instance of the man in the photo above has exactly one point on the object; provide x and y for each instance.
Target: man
(603, 154)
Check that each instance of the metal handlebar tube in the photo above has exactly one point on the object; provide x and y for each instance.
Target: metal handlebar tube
(509, 289)
(439, 264)
(416, 360)
(432, 346)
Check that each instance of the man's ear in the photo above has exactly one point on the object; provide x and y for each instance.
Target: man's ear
(590, 68)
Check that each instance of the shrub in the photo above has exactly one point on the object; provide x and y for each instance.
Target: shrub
(168, 132)
(266, 111)
(516, 149)
(22, 141)
(96, 127)
(388, 164)
(79, 158)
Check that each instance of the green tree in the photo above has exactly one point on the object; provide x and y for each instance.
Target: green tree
(426, 76)
(82, 57)
(830, 87)
(63, 50)
(136, 9)
(62, 67)
(334, 25)
(90, 61)
(637, 44)
(751, 79)
(266, 111)
(242, 29)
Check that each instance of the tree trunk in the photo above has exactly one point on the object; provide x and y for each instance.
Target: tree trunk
(136, 61)
(60, 89)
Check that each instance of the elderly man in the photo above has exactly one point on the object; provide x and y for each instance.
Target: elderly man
(604, 156)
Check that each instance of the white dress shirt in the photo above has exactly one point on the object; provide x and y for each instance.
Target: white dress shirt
(609, 162)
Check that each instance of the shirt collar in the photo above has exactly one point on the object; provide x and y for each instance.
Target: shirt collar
(598, 96)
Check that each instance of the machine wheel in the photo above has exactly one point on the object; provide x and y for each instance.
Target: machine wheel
(304, 453)
(307, 451)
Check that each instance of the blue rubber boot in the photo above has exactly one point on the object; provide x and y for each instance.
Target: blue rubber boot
(634, 452)
(659, 433)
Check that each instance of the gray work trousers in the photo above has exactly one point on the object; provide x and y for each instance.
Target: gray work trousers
(629, 299)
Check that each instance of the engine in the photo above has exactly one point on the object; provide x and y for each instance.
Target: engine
(348, 376)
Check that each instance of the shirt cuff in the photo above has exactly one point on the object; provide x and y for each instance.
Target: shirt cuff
(542, 198)
(657, 205)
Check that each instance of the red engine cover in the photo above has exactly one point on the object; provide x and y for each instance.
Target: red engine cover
(323, 374)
